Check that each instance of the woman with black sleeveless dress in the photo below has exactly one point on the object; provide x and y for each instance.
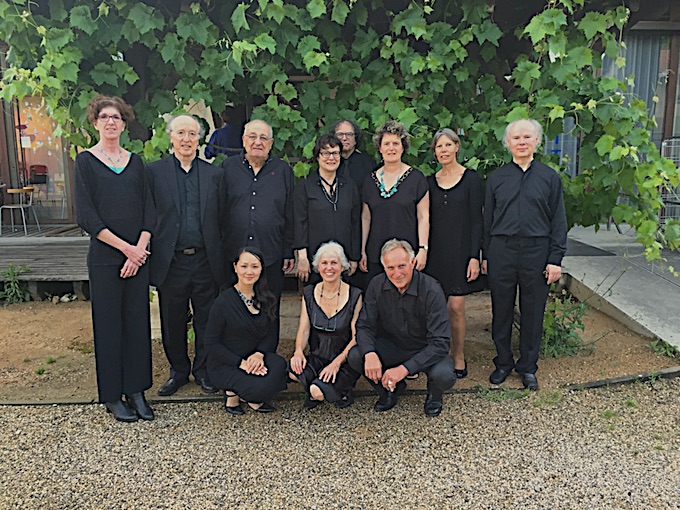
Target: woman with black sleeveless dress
(329, 313)
(455, 236)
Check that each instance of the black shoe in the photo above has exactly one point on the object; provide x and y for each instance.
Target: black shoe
(310, 403)
(236, 410)
(171, 386)
(265, 408)
(530, 382)
(138, 404)
(346, 401)
(461, 374)
(434, 403)
(121, 411)
(499, 375)
(206, 385)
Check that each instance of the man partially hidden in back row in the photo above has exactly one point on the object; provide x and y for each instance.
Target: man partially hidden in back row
(403, 329)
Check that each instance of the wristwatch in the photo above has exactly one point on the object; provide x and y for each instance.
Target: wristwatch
(423, 247)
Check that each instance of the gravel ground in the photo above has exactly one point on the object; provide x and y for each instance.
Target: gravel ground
(606, 448)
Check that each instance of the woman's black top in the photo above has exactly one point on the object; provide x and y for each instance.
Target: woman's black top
(120, 202)
(320, 217)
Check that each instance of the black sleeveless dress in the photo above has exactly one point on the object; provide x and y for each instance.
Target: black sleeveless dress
(328, 337)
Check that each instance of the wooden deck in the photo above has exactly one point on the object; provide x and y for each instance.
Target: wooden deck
(48, 259)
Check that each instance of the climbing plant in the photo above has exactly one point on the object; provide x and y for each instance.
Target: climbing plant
(427, 63)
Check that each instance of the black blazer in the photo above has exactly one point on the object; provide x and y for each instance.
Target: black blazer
(166, 198)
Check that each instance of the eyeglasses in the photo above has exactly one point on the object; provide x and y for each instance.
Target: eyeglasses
(345, 135)
(192, 135)
(262, 138)
(104, 117)
(331, 324)
(329, 154)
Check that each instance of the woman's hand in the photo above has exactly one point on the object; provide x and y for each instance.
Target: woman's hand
(363, 263)
(303, 269)
(473, 270)
(254, 364)
(129, 269)
(421, 259)
(136, 254)
(298, 362)
(352, 267)
(329, 372)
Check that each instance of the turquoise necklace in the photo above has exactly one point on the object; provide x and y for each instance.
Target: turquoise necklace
(381, 183)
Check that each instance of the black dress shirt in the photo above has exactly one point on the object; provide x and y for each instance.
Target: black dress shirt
(189, 205)
(357, 167)
(416, 321)
(317, 220)
(526, 204)
(257, 210)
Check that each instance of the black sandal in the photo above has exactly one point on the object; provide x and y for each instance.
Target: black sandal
(236, 410)
(461, 374)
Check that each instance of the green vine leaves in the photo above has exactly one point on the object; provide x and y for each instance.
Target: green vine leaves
(306, 64)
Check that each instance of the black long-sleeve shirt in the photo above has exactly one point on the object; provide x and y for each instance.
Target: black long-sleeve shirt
(190, 235)
(121, 203)
(257, 210)
(357, 167)
(526, 204)
(416, 321)
(317, 220)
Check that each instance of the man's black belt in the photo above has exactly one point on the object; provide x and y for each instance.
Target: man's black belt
(189, 251)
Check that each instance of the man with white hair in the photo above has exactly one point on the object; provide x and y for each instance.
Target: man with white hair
(403, 329)
(525, 238)
(188, 264)
(257, 198)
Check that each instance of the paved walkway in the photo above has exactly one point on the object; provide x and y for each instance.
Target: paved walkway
(610, 270)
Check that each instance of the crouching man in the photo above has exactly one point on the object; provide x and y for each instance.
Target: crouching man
(403, 328)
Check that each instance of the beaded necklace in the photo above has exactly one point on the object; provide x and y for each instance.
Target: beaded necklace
(113, 162)
(337, 296)
(381, 183)
(246, 301)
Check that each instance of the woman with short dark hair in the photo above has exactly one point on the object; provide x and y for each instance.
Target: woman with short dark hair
(326, 207)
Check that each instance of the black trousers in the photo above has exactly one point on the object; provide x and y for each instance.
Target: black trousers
(122, 331)
(189, 280)
(440, 375)
(252, 388)
(518, 262)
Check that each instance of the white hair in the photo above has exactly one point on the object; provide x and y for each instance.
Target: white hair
(537, 128)
(393, 244)
(330, 248)
(172, 120)
(247, 125)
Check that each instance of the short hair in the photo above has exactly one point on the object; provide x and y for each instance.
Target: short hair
(247, 125)
(537, 127)
(355, 127)
(449, 133)
(328, 140)
(330, 248)
(392, 127)
(393, 244)
(99, 102)
(172, 119)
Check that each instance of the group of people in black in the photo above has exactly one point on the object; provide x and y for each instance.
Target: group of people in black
(387, 256)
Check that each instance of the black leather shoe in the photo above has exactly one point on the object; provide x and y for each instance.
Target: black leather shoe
(346, 401)
(265, 408)
(310, 403)
(236, 410)
(530, 382)
(121, 411)
(206, 385)
(499, 375)
(171, 386)
(434, 403)
(461, 374)
(138, 404)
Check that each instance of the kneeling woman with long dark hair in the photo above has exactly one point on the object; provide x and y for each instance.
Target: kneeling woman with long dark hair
(241, 339)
